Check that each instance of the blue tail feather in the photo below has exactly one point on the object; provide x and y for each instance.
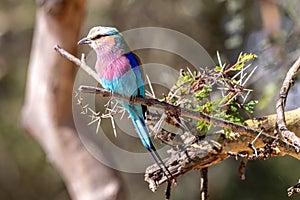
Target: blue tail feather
(142, 130)
(139, 124)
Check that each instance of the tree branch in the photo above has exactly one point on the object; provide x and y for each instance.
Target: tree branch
(158, 104)
(243, 130)
(286, 85)
(202, 153)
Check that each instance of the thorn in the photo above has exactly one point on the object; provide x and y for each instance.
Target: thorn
(98, 125)
(113, 125)
(150, 85)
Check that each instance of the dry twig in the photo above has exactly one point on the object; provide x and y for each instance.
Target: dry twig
(204, 184)
(294, 189)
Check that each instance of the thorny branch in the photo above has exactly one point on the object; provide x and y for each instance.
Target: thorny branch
(200, 154)
(243, 130)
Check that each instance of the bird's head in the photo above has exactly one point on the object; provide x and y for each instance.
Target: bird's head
(101, 37)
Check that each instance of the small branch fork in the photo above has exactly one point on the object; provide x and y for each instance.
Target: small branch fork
(201, 153)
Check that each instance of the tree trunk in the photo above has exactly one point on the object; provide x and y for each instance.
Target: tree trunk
(47, 111)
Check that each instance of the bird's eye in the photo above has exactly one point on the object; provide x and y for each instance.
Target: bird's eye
(96, 37)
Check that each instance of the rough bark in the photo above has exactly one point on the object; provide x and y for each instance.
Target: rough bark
(47, 111)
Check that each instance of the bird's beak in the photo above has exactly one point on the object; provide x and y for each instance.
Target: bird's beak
(85, 41)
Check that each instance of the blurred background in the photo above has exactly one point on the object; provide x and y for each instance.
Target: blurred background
(267, 28)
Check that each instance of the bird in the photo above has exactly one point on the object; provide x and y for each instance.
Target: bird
(119, 71)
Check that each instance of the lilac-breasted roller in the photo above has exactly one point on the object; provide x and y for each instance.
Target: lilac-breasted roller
(119, 71)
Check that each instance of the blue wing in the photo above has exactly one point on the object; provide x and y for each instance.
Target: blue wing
(134, 62)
